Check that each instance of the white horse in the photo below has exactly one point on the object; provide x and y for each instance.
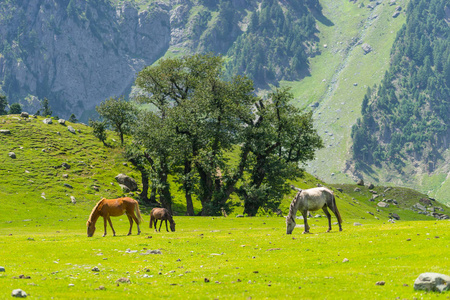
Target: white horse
(311, 200)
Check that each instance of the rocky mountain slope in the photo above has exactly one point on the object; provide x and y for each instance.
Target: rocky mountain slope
(76, 53)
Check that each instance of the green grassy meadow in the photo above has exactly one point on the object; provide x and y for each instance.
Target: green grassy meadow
(241, 257)
(43, 235)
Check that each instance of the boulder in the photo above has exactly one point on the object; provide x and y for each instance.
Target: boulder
(71, 129)
(360, 182)
(394, 216)
(2, 269)
(396, 14)
(382, 204)
(47, 121)
(5, 131)
(73, 200)
(432, 282)
(371, 186)
(127, 181)
(12, 155)
(366, 48)
(62, 121)
(18, 293)
(24, 114)
(420, 207)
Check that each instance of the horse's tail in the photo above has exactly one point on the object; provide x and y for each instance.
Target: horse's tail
(335, 208)
(151, 219)
(138, 213)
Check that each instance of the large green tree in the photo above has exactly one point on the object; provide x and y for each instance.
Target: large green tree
(200, 119)
(118, 113)
(280, 137)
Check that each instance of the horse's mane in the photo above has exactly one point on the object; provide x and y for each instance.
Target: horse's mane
(94, 209)
(293, 207)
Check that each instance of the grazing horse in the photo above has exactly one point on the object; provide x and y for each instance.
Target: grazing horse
(163, 215)
(113, 208)
(311, 200)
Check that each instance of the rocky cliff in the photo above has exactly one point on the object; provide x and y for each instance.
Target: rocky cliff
(76, 53)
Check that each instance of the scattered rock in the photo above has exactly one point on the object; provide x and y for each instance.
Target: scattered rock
(360, 182)
(123, 280)
(396, 14)
(357, 190)
(12, 155)
(345, 260)
(154, 252)
(24, 115)
(19, 293)
(5, 131)
(394, 216)
(95, 269)
(420, 207)
(371, 186)
(68, 186)
(65, 176)
(432, 282)
(62, 121)
(2, 269)
(357, 224)
(382, 204)
(380, 283)
(70, 128)
(73, 200)
(129, 182)
(206, 280)
(340, 190)
(366, 48)
(65, 166)
(239, 216)
(47, 121)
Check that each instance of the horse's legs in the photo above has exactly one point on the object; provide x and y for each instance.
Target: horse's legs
(131, 224)
(104, 223)
(110, 224)
(160, 224)
(137, 222)
(325, 210)
(166, 226)
(336, 212)
(305, 221)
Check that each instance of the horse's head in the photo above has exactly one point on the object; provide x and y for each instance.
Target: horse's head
(290, 225)
(90, 228)
(172, 226)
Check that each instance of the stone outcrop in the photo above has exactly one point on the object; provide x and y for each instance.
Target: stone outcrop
(127, 182)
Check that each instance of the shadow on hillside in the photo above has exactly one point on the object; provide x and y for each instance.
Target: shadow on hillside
(321, 18)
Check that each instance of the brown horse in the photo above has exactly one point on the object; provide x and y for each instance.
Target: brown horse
(113, 208)
(311, 200)
(163, 215)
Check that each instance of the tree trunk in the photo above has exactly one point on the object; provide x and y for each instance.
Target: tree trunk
(144, 194)
(187, 184)
(153, 194)
(164, 191)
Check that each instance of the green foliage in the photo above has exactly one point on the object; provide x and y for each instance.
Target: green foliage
(46, 111)
(199, 118)
(73, 118)
(3, 105)
(99, 130)
(118, 113)
(408, 114)
(274, 47)
(281, 138)
(15, 108)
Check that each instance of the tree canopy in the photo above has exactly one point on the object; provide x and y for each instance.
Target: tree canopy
(200, 120)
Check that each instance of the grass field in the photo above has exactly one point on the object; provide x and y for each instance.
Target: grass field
(43, 235)
(242, 258)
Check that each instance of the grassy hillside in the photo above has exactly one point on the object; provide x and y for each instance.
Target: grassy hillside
(36, 181)
(341, 65)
